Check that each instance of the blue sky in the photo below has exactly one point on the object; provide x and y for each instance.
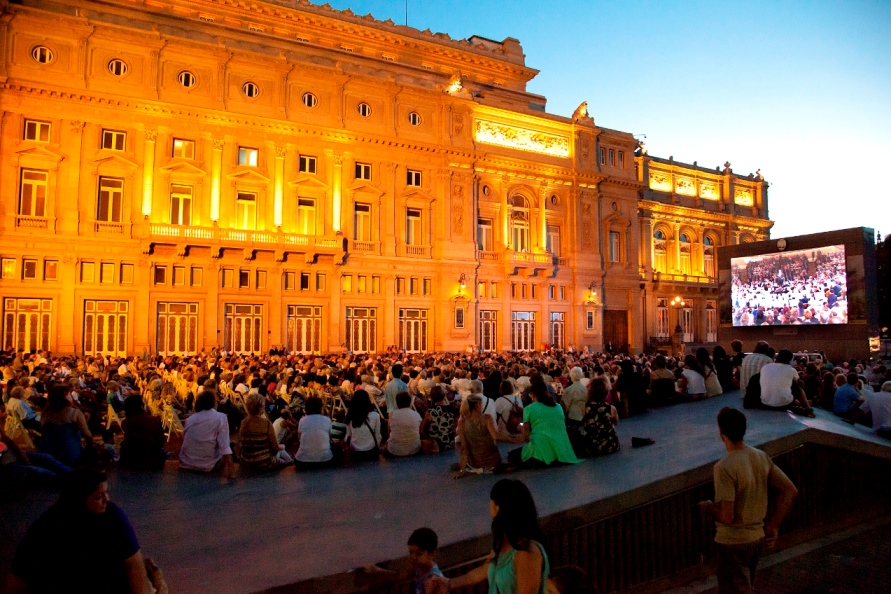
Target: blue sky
(801, 90)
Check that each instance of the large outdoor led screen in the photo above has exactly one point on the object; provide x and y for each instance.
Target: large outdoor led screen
(804, 287)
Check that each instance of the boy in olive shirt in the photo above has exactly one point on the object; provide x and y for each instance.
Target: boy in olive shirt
(742, 478)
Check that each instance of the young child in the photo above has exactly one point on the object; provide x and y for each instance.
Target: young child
(422, 546)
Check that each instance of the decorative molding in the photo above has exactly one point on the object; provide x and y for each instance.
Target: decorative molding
(151, 135)
(521, 139)
(218, 144)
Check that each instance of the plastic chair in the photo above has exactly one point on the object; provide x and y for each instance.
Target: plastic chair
(112, 417)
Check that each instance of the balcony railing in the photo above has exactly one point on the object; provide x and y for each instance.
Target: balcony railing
(214, 234)
(488, 256)
(684, 278)
(109, 228)
(417, 251)
(368, 247)
(28, 222)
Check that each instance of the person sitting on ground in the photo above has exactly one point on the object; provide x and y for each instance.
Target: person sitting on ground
(544, 427)
(363, 433)
(19, 408)
(423, 571)
(574, 398)
(258, 448)
(692, 382)
(143, 445)
(847, 399)
(440, 420)
(779, 386)
(662, 383)
(877, 410)
(752, 364)
(724, 368)
(518, 561)
(598, 434)
(314, 430)
(43, 469)
(90, 542)
(477, 436)
(285, 427)
(63, 429)
(712, 383)
(405, 428)
(509, 410)
(206, 439)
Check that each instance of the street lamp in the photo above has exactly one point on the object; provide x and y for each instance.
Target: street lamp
(592, 294)
(462, 282)
(678, 304)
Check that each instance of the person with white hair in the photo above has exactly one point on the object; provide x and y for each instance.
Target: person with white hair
(575, 397)
(488, 406)
(879, 405)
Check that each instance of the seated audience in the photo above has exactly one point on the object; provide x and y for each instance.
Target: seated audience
(258, 448)
(63, 429)
(405, 428)
(440, 420)
(363, 434)
(206, 444)
(144, 439)
(598, 434)
(314, 430)
(544, 427)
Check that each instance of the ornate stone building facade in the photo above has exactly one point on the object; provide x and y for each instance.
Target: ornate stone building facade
(181, 175)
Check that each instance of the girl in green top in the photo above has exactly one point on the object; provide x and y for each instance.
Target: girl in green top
(518, 563)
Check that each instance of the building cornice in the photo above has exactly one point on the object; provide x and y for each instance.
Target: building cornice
(696, 216)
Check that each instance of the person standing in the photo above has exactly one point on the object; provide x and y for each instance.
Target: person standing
(742, 478)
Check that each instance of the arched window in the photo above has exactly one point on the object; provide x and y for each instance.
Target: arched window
(708, 256)
(686, 246)
(519, 223)
(660, 258)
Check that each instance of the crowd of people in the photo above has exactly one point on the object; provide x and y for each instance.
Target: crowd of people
(219, 412)
(780, 290)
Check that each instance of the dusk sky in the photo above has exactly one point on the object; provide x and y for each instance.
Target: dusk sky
(801, 90)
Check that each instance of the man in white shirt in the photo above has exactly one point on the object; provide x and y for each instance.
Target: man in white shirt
(776, 384)
(395, 386)
(206, 439)
(879, 404)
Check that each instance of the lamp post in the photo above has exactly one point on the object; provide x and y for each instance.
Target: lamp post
(678, 342)
(592, 294)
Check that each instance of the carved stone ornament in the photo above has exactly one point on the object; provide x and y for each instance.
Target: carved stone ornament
(584, 148)
(458, 124)
(218, 144)
(586, 224)
(280, 151)
(151, 135)
(458, 211)
(521, 139)
(76, 126)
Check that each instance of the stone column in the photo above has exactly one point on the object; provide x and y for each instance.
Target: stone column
(148, 172)
(676, 265)
(278, 196)
(216, 172)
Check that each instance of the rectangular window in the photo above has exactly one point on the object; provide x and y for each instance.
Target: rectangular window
(29, 269)
(244, 279)
(37, 131)
(87, 272)
(562, 293)
(615, 252)
(111, 199)
(346, 283)
(535, 291)
(197, 276)
(304, 281)
(361, 284)
(321, 282)
(375, 284)
(428, 286)
(554, 240)
(32, 193)
(459, 317)
(114, 140)
(622, 159)
(494, 291)
(481, 289)
(413, 286)
(160, 275)
(261, 279)
(400, 285)
(413, 227)
(248, 156)
(9, 268)
(602, 155)
(183, 149)
(179, 276)
(514, 291)
(306, 216)
(180, 205)
(127, 274)
(413, 178)
(50, 270)
(362, 222)
(551, 292)
(290, 279)
(612, 157)
(485, 237)
(306, 164)
(590, 320)
(363, 171)
(246, 211)
(523, 291)
(106, 273)
(228, 278)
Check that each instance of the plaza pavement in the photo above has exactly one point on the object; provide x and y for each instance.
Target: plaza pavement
(264, 531)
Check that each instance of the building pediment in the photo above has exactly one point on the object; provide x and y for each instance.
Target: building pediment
(182, 168)
(249, 175)
(415, 194)
(310, 182)
(107, 158)
(363, 186)
(40, 152)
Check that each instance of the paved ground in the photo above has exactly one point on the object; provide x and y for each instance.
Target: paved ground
(263, 531)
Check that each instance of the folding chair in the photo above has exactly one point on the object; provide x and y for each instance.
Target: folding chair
(112, 417)
(176, 426)
(17, 432)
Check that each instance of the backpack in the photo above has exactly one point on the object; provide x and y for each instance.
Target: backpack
(514, 417)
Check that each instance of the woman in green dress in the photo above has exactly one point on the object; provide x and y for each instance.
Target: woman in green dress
(518, 562)
(544, 427)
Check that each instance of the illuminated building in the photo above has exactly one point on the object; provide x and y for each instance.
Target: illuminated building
(180, 176)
